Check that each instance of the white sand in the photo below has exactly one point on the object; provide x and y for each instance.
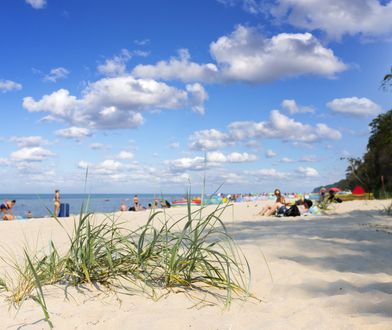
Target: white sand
(328, 272)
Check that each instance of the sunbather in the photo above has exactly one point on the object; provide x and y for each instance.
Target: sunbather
(280, 203)
(6, 208)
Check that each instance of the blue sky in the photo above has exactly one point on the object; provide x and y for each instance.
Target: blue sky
(148, 94)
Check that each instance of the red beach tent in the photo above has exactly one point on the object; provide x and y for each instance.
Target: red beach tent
(358, 190)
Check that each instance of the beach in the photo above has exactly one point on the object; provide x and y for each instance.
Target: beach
(327, 272)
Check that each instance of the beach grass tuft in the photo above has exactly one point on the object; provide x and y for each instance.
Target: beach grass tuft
(194, 252)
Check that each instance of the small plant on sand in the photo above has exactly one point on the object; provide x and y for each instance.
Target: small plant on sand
(191, 253)
(388, 209)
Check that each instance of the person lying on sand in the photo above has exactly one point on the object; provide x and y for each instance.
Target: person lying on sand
(6, 208)
(280, 205)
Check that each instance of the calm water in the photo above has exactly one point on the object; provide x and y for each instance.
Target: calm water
(37, 204)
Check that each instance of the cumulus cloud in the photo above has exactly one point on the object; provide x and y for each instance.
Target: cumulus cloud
(337, 17)
(234, 157)
(73, 132)
(210, 139)
(270, 153)
(309, 172)
(250, 6)
(112, 103)
(125, 155)
(282, 127)
(28, 141)
(178, 68)
(309, 159)
(186, 164)
(113, 170)
(287, 160)
(117, 65)
(9, 85)
(354, 106)
(56, 74)
(34, 154)
(246, 55)
(266, 174)
(278, 127)
(197, 97)
(292, 107)
(36, 4)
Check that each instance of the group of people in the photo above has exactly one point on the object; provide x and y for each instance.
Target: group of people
(138, 207)
(281, 207)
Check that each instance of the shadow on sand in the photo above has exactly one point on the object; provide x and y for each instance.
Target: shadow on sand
(355, 243)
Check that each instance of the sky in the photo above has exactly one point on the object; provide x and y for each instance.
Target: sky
(153, 96)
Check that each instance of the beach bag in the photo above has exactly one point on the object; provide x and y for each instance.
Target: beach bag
(64, 210)
(293, 211)
(281, 210)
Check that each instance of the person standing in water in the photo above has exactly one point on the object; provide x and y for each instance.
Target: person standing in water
(56, 202)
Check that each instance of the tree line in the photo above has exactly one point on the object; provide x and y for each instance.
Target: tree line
(374, 170)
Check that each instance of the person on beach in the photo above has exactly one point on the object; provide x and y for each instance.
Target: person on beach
(123, 207)
(6, 208)
(136, 204)
(279, 206)
(56, 202)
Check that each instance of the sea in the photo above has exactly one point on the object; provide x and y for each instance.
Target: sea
(41, 205)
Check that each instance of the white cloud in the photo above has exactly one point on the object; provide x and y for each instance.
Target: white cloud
(338, 17)
(117, 65)
(266, 174)
(186, 164)
(28, 141)
(234, 157)
(197, 97)
(125, 155)
(355, 106)
(9, 85)
(309, 159)
(36, 154)
(178, 68)
(36, 4)
(292, 107)
(250, 6)
(270, 153)
(112, 103)
(309, 172)
(246, 55)
(56, 74)
(287, 160)
(282, 127)
(208, 140)
(73, 132)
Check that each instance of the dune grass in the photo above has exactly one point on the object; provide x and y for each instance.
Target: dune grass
(194, 252)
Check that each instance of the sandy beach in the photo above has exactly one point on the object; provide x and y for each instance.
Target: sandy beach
(326, 272)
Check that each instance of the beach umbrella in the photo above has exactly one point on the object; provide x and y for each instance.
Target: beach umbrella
(335, 189)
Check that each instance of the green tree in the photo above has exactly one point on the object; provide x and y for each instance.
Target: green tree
(387, 81)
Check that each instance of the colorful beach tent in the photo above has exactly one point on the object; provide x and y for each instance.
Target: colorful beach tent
(358, 190)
